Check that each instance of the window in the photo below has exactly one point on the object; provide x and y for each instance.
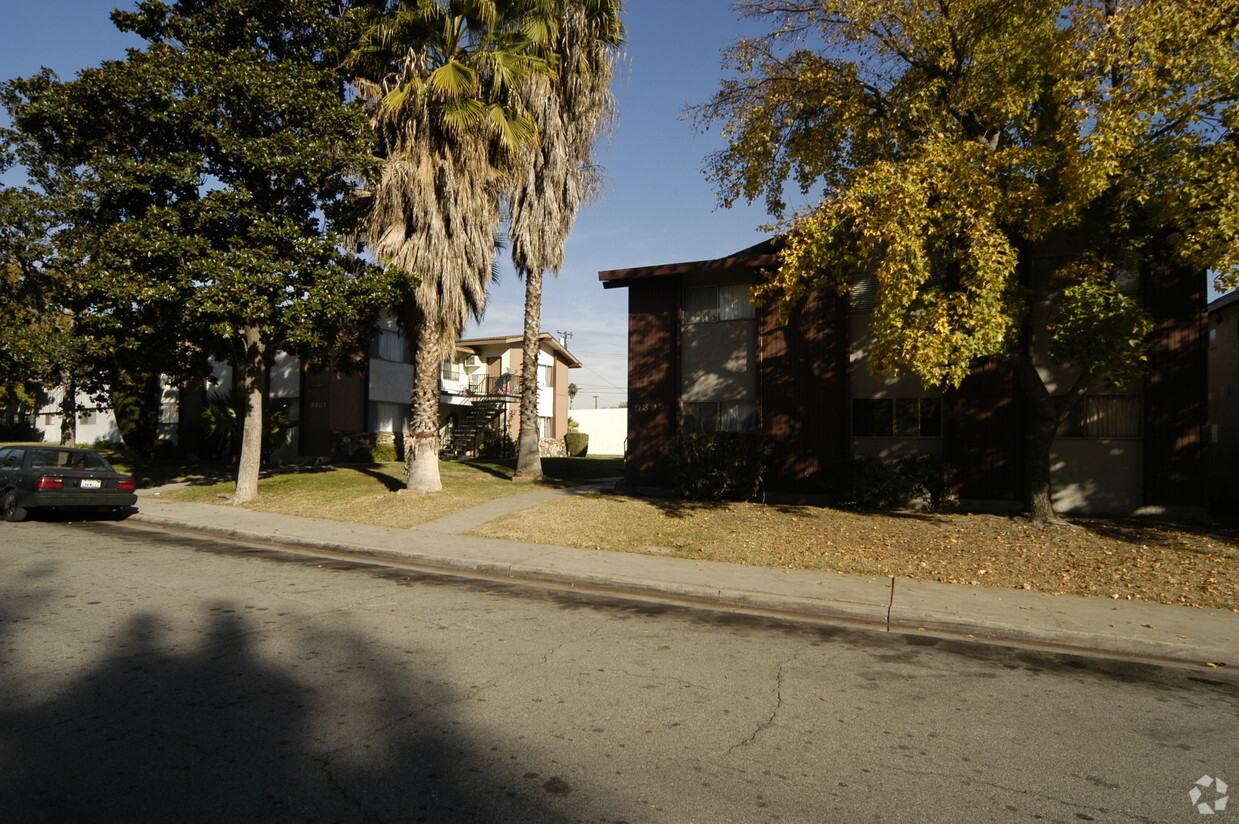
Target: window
(544, 427)
(864, 294)
(389, 345)
(545, 375)
(897, 417)
(1104, 416)
(713, 303)
(720, 416)
(449, 371)
(388, 417)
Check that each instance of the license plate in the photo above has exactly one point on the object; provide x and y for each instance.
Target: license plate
(89, 484)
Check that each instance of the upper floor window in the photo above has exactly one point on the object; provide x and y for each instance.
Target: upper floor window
(546, 375)
(389, 345)
(713, 303)
(1104, 416)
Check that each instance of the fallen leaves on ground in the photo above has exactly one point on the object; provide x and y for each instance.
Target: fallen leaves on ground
(1124, 558)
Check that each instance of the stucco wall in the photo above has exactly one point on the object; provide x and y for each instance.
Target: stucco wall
(390, 382)
(718, 361)
(607, 429)
(1098, 475)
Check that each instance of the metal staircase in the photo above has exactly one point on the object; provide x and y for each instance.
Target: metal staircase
(462, 440)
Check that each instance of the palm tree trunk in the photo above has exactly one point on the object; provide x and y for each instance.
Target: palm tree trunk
(528, 454)
(251, 366)
(422, 456)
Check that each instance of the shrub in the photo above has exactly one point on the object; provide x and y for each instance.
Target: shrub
(20, 431)
(494, 444)
(899, 483)
(379, 453)
(577, 444)
(718, 466)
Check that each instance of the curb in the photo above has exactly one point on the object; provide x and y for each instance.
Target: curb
(927, 611)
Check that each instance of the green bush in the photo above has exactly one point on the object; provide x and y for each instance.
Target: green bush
(718, 466)
(899, 483)
(577, 444)
(495, 444)
(20, 431)
(379, 453)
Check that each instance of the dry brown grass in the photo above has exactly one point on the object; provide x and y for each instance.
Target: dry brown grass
(1134, 559)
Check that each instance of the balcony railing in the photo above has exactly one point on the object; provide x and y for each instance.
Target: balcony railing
(503, 386)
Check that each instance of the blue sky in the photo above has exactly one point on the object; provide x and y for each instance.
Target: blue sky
(658, 207)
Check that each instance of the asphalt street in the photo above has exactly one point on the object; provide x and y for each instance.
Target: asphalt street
(154, 677)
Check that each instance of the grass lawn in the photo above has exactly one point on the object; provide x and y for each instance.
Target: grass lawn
(1114, 558)
(365, 494)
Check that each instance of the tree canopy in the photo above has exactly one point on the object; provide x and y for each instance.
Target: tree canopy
(199, 183)
(950, 141)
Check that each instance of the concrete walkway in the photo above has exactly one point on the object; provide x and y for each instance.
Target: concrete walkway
(1134, 628)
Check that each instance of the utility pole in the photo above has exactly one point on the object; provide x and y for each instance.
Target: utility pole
(564, 337)
(595, 401)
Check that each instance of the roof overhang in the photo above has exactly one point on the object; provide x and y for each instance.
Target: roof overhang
(471, 345)
(763, 255)
(1224, 301)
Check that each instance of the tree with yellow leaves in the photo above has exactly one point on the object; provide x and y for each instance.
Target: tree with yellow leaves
(1004, 171)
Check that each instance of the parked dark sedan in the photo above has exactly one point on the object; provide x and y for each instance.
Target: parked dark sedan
(55, 477)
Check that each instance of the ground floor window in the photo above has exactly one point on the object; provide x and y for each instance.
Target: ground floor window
(720, 416)
(897, 417)
(1104, 416)
(544, 428)
(388, 417)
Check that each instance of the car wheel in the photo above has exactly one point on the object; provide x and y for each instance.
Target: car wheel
(12, 512)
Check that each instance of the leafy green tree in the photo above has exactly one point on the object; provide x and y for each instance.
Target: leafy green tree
(39, 349)
(955, 145)
(572, 107)
(211, 171)
(439, 79)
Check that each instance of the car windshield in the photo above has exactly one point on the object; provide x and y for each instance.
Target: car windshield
(66, 459)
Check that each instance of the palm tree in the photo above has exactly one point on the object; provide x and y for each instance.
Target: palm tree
(571, 107)
(439, 78)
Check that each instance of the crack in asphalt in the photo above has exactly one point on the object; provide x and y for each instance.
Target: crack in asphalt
(774, 712)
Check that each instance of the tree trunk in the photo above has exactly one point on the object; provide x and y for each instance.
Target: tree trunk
(68, 412)
(1041, 426)
(251, 366)
(528, 454)
(422, 456)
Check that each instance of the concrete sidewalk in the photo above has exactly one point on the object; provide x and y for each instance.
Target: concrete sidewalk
(1183, 634)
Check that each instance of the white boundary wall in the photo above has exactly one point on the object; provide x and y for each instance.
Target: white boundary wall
(607, 429)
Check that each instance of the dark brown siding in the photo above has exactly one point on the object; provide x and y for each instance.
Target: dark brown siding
(803, 392)
(982, 423)
(1175, 389)
(653, 378)
(330, 402)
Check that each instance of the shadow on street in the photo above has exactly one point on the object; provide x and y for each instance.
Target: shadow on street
(322, 729)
